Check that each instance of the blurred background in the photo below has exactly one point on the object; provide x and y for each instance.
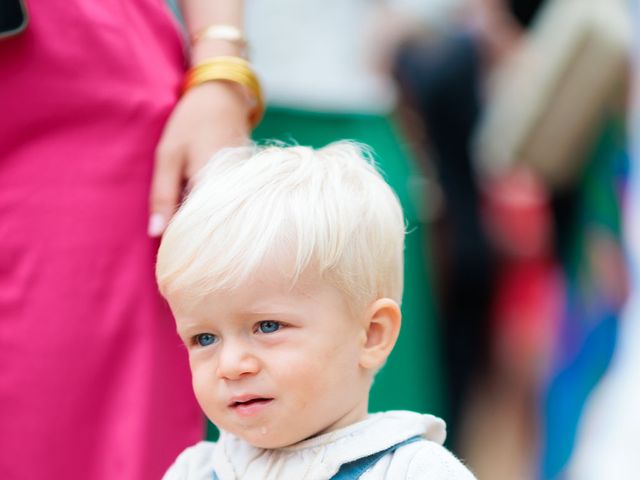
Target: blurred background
(503, 125)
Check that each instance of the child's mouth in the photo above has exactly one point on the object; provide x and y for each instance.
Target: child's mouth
(250, 406)
(250, 402)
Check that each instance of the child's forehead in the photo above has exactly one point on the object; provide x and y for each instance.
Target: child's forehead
(279, 275)
(268, 289)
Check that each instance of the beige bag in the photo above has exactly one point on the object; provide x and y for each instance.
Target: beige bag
(550, 98)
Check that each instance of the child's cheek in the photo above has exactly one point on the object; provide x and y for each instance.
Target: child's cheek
(202, 381)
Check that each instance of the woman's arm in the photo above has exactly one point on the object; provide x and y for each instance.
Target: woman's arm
(208, 117)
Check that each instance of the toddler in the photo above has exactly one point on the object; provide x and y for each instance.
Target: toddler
(284, 270)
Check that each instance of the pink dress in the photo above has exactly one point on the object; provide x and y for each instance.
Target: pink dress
(94, 383)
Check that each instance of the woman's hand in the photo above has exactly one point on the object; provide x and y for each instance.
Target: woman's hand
(210, 116)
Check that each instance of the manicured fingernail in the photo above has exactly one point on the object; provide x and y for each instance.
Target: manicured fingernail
(157, 224)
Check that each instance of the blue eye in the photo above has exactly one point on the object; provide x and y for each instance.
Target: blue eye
(205, 339)
(269, 326)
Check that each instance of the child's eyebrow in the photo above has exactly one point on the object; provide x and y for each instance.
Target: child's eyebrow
(191, 327)
(261, 312)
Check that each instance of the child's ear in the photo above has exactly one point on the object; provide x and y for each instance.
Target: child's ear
(383, 320)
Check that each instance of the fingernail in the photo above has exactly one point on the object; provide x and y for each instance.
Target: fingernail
(157, 225)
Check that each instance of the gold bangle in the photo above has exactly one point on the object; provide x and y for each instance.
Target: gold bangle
(227, 33)
(232, 69)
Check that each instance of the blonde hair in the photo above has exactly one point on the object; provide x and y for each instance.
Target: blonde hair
(328, 210)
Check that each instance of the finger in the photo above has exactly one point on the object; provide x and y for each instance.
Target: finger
(166, 188)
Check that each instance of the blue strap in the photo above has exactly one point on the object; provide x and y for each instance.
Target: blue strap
(353, 470)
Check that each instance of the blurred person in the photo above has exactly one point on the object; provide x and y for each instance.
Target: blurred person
(567, 124)
(585, 210)
(554, 108)
(93, 382)
(444, 80)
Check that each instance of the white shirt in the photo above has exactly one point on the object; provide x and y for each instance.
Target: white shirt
(318, 54)
(319, 458)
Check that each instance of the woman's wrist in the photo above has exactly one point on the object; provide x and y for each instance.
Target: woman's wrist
(211, 48)
(218, 53)
(229, 69)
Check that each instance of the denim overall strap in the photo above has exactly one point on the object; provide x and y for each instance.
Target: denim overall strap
(353, 470)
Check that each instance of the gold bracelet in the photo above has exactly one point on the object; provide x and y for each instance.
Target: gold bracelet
(227, 33)
(232, 69)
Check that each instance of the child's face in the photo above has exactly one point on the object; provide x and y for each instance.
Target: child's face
(273, 365)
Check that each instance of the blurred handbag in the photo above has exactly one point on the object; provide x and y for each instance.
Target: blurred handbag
(551, 97)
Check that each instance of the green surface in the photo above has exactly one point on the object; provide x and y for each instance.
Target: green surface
(411, 378)
(598, 203)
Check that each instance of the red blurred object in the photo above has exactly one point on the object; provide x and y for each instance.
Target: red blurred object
(530, 290)
(517, 214)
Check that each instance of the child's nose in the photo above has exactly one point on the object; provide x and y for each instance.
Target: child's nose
(236, 361)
